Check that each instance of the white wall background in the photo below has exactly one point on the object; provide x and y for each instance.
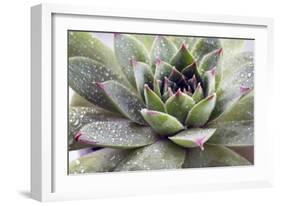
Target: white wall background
(15, 95)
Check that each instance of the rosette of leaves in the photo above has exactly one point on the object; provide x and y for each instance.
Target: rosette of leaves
(159, 102)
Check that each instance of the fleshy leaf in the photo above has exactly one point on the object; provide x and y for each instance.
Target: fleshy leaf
(209, 81)
(233, 133)
(128, 48)
(119, 133)
(87, 45)
(162, 70)
(204, 46)
(200, 113)
(233, 86)
(177, 77)
(210, 60)
(162, 123)
(161, 155)
(232, 46)
(163, 49)
(182, 58)
(247, 152)
(152, 100)
(213, 156)
(242, 109)
(232, 63)
(102, 160)
(179, 105)
(198, 93)
(193, 137)
(147, 40)
(124, 100)
(83, 72)
(143, 75)
(190, 70)
(78, 101)
(156, 87)
(80, 116)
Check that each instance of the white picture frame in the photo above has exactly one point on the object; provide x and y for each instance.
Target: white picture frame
(49, 179)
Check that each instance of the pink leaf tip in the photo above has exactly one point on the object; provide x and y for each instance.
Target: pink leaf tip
(178, 93)
(244, 90)
(100, 85)
(77, 136)
(200, 143)
(184, 46)
(220, 51)
(133, 62)
(158, 61)
(213, 71)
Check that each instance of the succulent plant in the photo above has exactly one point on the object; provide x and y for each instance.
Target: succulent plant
(160, 102)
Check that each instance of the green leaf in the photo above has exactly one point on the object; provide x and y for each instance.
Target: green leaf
(83, 72)
(247, 152)
(147, 40)
(163, 49)
(179, 105)
(232, 46)
(80, 116)
(242, 109)
(118, 133)
(233, 133)
(85, 44)
(232, 63)
(200, 113)
(78, 101)
(193, 137)
(198, 93)
(128, 48)
(235, 127)
(152, 100)
(177, 77)
(204, 46)
(103, 160)
(190, 70)
(124, 100)
(209, 81)
(182, 58)
(162, 123)
(162, 70)
(213, 156)
(143, 75)
(156, 87)
(211, 60)
(233, 86)
(160, 155)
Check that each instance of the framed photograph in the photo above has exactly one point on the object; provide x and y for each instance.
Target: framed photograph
(137, 102)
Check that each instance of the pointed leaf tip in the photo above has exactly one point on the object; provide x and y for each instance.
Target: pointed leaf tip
(134, 63)
(244, 90)
(184, 46)
(213, 71)
(200, 143)
(195, 137)
(77, 136)
(158, 61)
(100, 85)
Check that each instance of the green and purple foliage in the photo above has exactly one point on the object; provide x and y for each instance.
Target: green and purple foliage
(160, 102)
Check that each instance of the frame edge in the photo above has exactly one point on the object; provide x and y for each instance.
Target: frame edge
(36, 62)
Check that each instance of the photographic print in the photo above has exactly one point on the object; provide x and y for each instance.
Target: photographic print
(157, 102)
